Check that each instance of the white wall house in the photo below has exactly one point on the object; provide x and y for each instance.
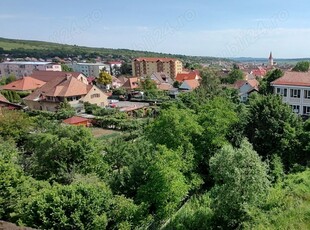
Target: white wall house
(89, 69)
(245, 88)
(294, 87)
(22, 68)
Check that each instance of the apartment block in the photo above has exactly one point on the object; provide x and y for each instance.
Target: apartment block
(142, 67)
(23, 68)
(294, 87)
(90, 69)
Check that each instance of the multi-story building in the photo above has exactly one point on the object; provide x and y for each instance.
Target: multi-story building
(142, 67)
(23, 68)
(90, 69)
(294, 87)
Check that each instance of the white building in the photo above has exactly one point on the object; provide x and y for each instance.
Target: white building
(23, 68)
(295, 90)
(245, 88)
(89, 69)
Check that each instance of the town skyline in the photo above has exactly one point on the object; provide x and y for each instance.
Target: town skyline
(197, 28)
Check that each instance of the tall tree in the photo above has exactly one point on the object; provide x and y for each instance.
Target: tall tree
(273, 128)
(104, 78)
(66, 68)
(302, 66)
(241, 182)
(265, 86)
(166, 186)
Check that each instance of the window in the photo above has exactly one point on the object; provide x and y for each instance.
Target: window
(95, 95)
(295, 93)
(295, 108)
(306, 110)
(282, 92)
(307, 94)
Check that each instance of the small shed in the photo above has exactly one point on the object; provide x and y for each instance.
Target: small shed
(78, 121)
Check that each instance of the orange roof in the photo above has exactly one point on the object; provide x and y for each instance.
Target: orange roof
(131, 83)
(193, 84)
(187, 76)
(75, 120)
(50, 75)
(294, 79)
(61, 87)
(164, 86)
(155, 59)
(23, 84)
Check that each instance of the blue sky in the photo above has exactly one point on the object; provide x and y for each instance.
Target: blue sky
(219, 28)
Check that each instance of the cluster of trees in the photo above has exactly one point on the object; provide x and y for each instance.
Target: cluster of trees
(205, 162)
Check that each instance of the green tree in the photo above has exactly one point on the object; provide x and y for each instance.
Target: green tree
(14, 124)
(265, 86)
(273, 128)
(166, 186)
(217, 118)
(58, 154)
(302, 66)
(241, 182)
(234, 75)
(104, 77)
(148, 84)
(66, 68)
(65, 110)
(81, 205)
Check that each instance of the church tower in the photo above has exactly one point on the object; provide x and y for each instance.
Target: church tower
(271, 60)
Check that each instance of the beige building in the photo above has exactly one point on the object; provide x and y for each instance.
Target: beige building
(142, 67)
(74, 91)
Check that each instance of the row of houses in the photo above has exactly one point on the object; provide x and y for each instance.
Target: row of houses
(47, 89)
(26, 68)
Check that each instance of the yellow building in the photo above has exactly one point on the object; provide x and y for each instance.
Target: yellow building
(148, 66)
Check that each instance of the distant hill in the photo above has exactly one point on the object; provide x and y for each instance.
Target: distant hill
(41, 49)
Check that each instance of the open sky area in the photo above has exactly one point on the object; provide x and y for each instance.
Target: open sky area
(225, 28)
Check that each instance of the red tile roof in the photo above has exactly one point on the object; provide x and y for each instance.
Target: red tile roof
(75, 120)
(61, 87)
(150, 59)
(294, 79)
(50, 75)
(260, 72)
(24, 84)
(131, 83)
(187, 76)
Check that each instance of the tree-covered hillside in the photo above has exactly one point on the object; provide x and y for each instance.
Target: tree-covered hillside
(40, 49)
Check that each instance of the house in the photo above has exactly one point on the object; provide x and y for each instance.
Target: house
(294, 87)
(4, 103)
(25, 84)
(245, 88)
(69, 89)
(193, 75)
(24, 68)
(47, 76)
(259, 72)
(189, 85)
(147, 66)
(77, 121)
(131, 83)
(161, 77)
(116, 83)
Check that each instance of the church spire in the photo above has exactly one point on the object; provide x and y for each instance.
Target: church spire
(270, 59)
